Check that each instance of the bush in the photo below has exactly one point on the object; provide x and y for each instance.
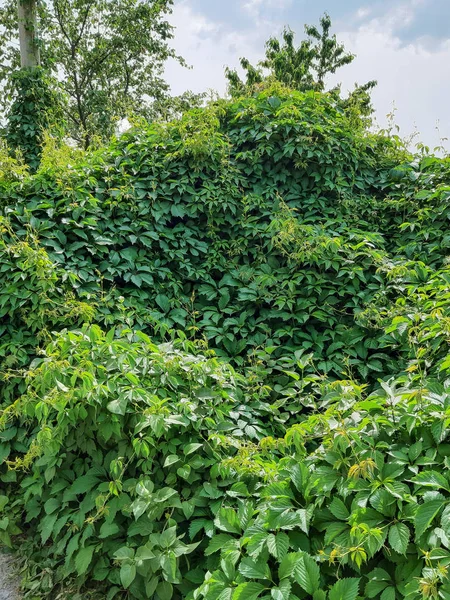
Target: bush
(122, 457)
(140, 477)
(310, 255)
(250, 224)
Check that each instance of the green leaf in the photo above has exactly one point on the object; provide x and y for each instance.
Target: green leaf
(171, 460)
(278, 545)
(217, 543)
(307, 573)
(254, 569)
(124, 553)
(81, 485)
(375, 586)
(84, 559)
(51, 505)
(47, 524)
(425, 515)
(257, 543)
(127, 574)
(288, 564)
(283, 591)
(227, 520)
(164, 304)
(399, 537)
(338, 509)
(224, 300)
(108, 529)
(431, 479)
(165, 590)
(445, 519)
(345, 589)
(3, 502)
(190, 448)
(248, 591)
(118, 406)
(388, 594)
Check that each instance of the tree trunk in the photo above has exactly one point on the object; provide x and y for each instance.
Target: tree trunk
(29, 47)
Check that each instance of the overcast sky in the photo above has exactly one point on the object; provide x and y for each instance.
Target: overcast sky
(404, 44)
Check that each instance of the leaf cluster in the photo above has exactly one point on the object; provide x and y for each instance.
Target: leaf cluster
(272, 234)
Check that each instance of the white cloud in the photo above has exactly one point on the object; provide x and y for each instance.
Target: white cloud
(363, 13)
(255, 8)
(209, 48)
(411, 76)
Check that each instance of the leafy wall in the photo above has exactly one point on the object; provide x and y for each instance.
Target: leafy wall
(272, 233)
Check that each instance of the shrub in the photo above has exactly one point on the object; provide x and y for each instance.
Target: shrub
(33, 300)
(250, 224)
(309, 254)
(122, 457)
(141, 476)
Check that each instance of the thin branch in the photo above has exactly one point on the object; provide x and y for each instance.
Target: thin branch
(83, 25)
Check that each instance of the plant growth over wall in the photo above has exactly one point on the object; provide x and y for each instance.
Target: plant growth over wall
(266, 232)
(37, 107)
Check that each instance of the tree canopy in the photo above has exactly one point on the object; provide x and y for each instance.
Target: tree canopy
(303, 67)
(108, 55)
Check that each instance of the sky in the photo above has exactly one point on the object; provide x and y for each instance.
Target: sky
(403, 44)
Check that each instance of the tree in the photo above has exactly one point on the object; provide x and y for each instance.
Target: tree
(109, 56)
(29, 46)
(304, 67)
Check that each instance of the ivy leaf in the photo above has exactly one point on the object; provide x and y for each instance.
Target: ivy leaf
(127, 574)
(399, 537)
(445, 520)
(253, 569)
(217, 543)
(83, 559)
(288, 564)
(248, 591)
(425, 515)
(374, 587)
(307, 573)
(51, 505)
(227, 520)
(190, 448)
(257, 543)
(118, 406)
(283, 591)
(171, 460)
(163, 302)
(388, 594)
(47, 525)
(108, 529)
(339, 510)
(164, 590)
(431, 479)
(345, 589)
(278, 545)
(224, 299)
(379, 579)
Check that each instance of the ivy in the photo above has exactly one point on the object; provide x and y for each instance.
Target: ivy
(36, 107)
(224, 362)
(244, 224)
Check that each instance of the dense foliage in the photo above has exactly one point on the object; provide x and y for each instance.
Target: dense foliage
(250, 225)
(303, 67)
(104, 75)
(273, 233)
(36, 108)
